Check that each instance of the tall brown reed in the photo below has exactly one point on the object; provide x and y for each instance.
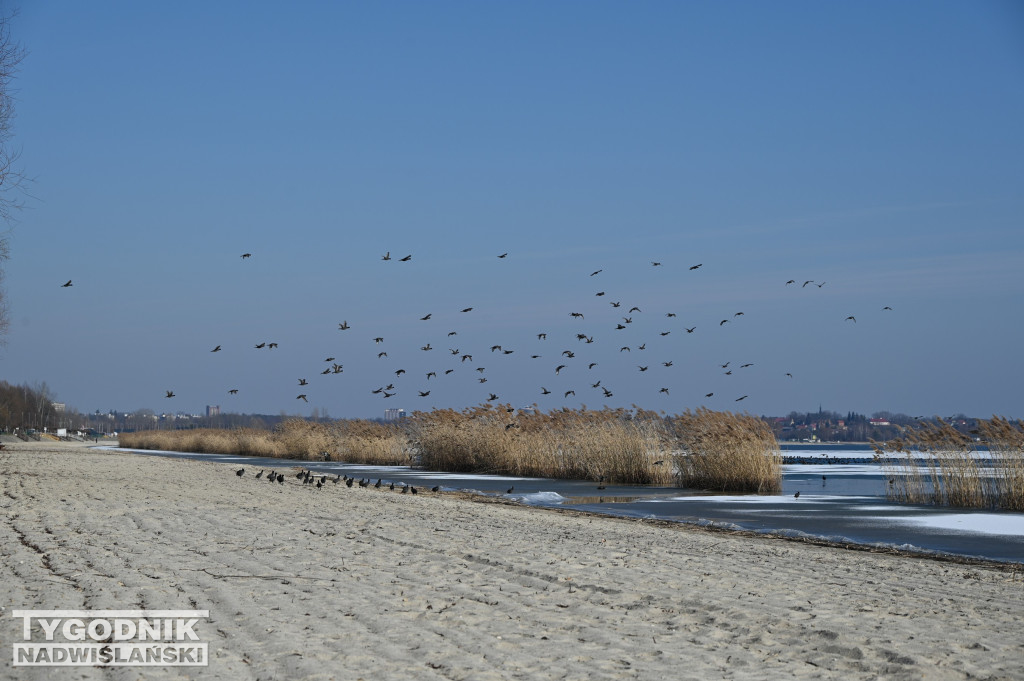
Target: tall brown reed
(724, 451)
(352, 441)
(569, 444)
(940, 465)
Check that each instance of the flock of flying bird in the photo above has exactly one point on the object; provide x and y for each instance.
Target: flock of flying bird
(573, 356)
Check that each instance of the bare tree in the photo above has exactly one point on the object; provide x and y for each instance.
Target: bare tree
(11, 178)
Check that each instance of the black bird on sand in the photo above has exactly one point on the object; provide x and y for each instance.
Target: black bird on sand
(239, 472)
(260, 474)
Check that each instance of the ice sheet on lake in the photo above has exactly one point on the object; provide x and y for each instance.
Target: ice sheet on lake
(1004, 524)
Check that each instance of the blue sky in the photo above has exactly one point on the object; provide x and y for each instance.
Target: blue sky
(875, 147)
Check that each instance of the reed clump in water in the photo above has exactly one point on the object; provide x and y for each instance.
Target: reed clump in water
(370, 442)
(245, 441)
(724, 451)
(942, 466)
(615, 444)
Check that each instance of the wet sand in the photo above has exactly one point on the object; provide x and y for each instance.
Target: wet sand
(350, 583)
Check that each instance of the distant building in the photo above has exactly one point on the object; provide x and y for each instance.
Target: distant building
(58, 406)
(394, 414)
(879, 422)
(213, 411)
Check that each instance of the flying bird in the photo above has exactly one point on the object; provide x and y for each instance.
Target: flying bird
(809, 281)
(216, 349)
(503, 255)
(723, 322)
(568, 392)
(233, 391)
(386, 256)
(423, 319)
(246, 255)
(467, 309)
(851, 318)
(887, 308)
(423, 394)
(694, 267)
(302, 381)
(576, 314)
(740, 399)
(559, 368)
(596, 272)
(260, 346)
(708, 394)
(791, 281)
(405, 259)
(381, 354)
(492, 398)
(170, 393)
(378, 340)
(302, 397)
(67, 285)
(343, 326)
(664, 390)
(655, 264)
(544, 391)
(691, 329)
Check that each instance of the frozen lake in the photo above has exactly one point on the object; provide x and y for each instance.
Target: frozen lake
(838, 501)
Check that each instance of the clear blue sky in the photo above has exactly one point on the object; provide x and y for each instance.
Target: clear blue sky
(877, 147)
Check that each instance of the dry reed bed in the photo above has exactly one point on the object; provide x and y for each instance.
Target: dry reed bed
(351, 441)
(954, 471)
(705, 449)
(613, 444)
(724, 451)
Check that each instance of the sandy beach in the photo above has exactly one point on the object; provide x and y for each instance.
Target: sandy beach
(350, 583)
